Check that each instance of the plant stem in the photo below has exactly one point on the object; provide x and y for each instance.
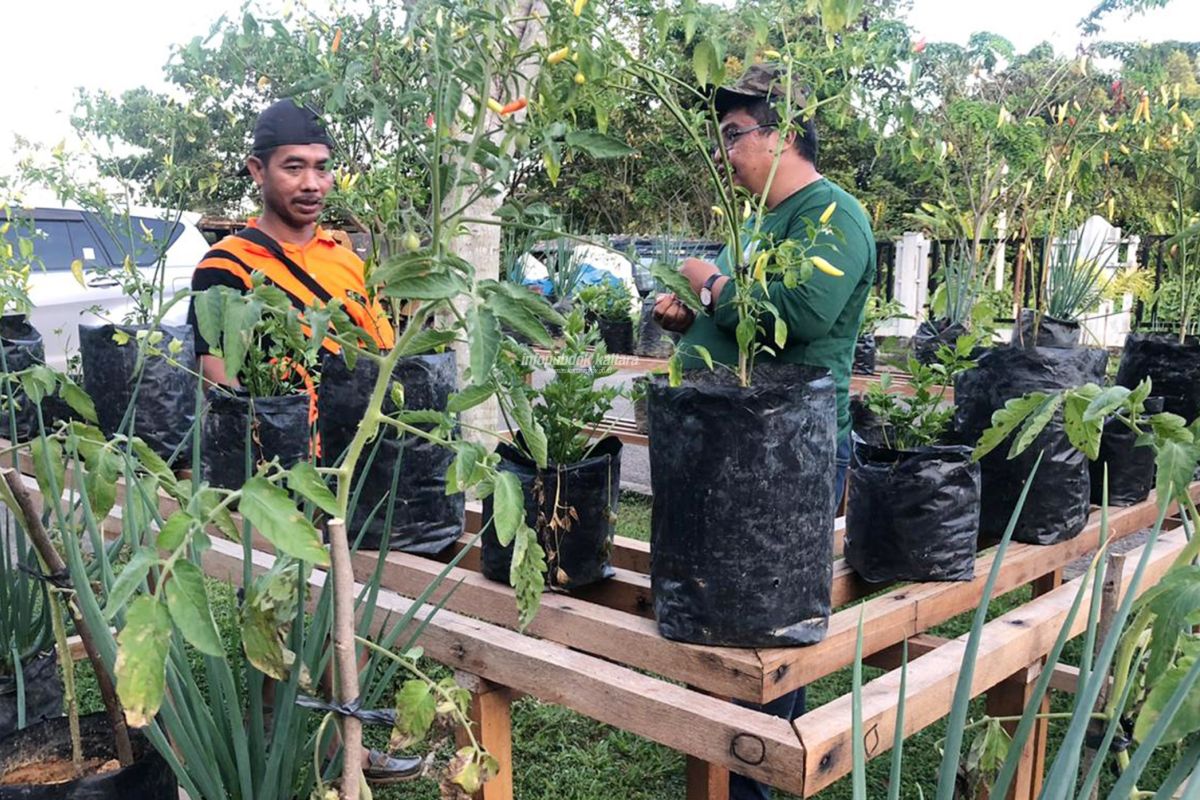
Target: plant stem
(54, 563)
(344, 653)
(68, 670)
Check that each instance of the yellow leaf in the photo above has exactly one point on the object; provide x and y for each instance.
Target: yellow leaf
(77, 271)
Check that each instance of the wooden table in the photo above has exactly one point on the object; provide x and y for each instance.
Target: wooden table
(599, 652)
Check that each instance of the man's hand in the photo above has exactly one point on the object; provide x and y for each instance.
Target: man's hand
(671, 313)
(697, 271)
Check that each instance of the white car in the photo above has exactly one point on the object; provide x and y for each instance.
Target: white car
(62, 235)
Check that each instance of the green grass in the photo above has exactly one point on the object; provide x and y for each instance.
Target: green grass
(561, 755)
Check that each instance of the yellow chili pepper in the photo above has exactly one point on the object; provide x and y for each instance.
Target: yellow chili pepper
(826, 267)
(760, 270)
(718, 211)
(1188, 125)
(495, 105)
(580, 79)
(577, 9)
(558, 56)
(827, 214)
(1123, 148)
(746, 210)
(772, 53)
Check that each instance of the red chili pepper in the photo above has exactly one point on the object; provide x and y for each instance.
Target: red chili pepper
(514, 106)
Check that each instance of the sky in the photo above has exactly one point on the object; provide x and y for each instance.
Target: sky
(54, 46)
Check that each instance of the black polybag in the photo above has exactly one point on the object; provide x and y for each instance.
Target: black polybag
(1058, 503)
(43, 693)
(912, 515)
(864, 355)
(148, 778)
(279, 429)
(742, 521)
(592, 487)
(930, 337)
(166, 392)
(652, 340)
(1051, 331)
(1131, 469)
(424, 519)
(1173, 368)
(617, 335)
(23, 348)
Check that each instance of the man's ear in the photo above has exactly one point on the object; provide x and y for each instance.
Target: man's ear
(258, 170)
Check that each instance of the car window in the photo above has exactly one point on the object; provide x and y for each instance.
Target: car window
(52, 245)
(122, 236)
(85, 247)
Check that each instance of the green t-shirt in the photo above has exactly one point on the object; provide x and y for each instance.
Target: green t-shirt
(822, 315)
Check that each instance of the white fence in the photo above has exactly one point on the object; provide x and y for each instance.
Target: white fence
(1096, 238)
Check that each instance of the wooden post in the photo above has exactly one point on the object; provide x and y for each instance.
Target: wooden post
(344, 656)
(491, 716)
(1010, 697)
(706, 781)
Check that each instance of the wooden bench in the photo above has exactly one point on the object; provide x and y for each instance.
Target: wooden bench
(599, 653)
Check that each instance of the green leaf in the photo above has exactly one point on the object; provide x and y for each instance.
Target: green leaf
(271, 604)
(1186, 719)
(781, 332)
(433, 286)
(206, 505)
(416, 709)
(704, 62)
(1005, 421)
(48, 465)
(1174, 600)
(421, 416)
(100, 483)
(676, 284)
(532, 432)
(1035, 424)
(79, 400)
(468, 398)
(508, 507)
(597, 145)
(128, 580)
(465, 464)
(187, 600)
(1176, 463)
(38, 382)
(483, 337)
(675, 370)
(705, 356)
(428, 341)
(746, 329)
(271, 511)
(151, 462)
(1083, 433)
(174, 530)
(527, 575)
(1105, 402)
(304, 480)
(209, 307)
(142, 659)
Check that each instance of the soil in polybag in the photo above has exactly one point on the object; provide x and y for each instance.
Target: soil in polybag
(165, 404)
(1051, 332)
(912, 515)
(653, 341)
(1059, 501)
(423, 518)
(930, 336)
(279, 428)
(23, 348)
(742, 521)
(1173, 368)
(43, 693)
(1131, 469)
(617, 335)
(864, 355)
(578, 545)
(43, 750)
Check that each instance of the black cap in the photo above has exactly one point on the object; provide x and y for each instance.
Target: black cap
(287, 122)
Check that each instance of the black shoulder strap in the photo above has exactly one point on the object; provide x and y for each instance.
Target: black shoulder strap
(261, 239)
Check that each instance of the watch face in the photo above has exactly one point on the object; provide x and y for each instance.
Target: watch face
(705, 296)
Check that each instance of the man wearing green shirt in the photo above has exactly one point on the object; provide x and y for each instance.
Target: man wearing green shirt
(823, 314)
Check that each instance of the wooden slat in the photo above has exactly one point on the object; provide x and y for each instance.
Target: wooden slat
(1009, 643)
(908, 610)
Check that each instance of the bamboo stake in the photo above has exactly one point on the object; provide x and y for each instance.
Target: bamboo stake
(344, 653)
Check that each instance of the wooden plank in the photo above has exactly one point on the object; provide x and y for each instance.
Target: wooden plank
(892, 657)
(705, 781)
(748, 742)
(1009, 698)
(908, 610)
(491, 721)
(576, 623)
(1015, 639)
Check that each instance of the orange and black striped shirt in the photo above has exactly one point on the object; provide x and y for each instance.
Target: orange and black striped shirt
(327, 272)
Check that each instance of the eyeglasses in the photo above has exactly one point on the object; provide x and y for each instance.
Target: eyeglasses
(731, 135)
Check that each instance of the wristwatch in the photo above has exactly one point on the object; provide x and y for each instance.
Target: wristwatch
(706, 295)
